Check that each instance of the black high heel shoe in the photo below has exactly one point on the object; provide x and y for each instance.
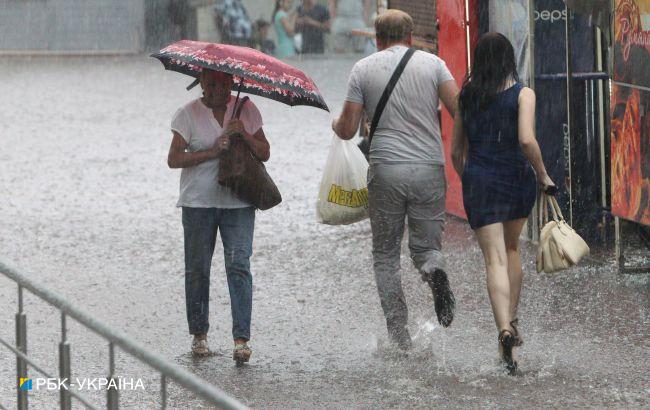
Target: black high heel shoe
(507, 341)
(519, 340)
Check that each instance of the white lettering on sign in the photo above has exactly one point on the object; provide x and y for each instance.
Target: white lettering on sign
(549, 15)
(631, 37)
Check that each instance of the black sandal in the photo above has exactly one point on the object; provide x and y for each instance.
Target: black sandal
(507, 341)
(519, 340)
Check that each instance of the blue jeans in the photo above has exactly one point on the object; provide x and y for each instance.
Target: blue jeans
(200, 226)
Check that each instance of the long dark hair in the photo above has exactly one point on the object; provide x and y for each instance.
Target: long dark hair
(494, 63)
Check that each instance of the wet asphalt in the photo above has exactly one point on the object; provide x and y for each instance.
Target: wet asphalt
(87, 209)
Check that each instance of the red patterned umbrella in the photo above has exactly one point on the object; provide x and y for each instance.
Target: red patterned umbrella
(262, 74)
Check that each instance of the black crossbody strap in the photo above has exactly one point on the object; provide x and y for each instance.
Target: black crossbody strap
(388, 91)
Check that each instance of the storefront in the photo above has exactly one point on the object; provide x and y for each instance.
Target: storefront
(572, 116)
(630, 111)
(630, 122)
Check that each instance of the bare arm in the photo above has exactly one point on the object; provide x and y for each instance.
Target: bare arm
(260, 146)
(289, 23)
(347, 124)
(459, 145)
(178, 157)
(527, 140)
(448, 92)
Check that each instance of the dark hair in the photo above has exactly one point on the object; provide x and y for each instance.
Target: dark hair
(494, 63)
(260, 23)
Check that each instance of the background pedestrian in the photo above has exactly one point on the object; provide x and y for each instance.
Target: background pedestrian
(260, 37)
(284, 22)
(348, 15)
(179, 11)
(233, 23)
(313, 22)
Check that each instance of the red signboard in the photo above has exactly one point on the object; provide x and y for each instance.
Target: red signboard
(630, 138)
(452, 47)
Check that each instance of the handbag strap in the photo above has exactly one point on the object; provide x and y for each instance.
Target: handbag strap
(543, 214)
(546, 202)
(388, 91)
(555, 208)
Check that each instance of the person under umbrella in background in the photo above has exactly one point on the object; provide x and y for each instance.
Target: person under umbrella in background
(493, 148)
(233, 23)
(201, 130)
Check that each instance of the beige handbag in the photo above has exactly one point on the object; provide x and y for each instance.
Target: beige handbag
(559, 245)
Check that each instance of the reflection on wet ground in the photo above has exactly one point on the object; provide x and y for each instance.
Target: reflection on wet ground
(89, 212)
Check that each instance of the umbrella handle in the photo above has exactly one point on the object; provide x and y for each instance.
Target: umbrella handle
(235, 110)
(194, 84)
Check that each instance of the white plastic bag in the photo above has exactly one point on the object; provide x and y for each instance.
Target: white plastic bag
(343, 194)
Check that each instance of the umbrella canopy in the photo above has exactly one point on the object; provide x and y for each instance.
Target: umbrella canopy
(262, 74)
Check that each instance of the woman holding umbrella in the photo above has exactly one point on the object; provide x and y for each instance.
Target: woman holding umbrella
(201, 132)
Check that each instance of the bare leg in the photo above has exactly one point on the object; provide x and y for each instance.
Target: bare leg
(492, 243)
(512, 230)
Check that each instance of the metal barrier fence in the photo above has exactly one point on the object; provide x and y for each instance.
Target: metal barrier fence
(167, 370)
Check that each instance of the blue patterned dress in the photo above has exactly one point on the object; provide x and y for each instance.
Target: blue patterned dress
(498, 182)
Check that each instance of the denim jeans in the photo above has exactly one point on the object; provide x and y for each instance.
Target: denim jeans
(397, 192)
(200, 226)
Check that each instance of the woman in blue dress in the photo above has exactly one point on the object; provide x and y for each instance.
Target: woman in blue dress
(493, 148)
(284, 22)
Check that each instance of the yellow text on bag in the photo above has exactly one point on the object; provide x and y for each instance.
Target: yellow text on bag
(353, 199)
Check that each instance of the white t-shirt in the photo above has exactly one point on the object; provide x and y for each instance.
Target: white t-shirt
(408, 130)
(198, 127)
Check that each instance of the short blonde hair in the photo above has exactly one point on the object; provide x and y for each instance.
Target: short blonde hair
(393, 25)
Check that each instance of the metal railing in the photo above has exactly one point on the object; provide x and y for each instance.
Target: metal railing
(167, 370)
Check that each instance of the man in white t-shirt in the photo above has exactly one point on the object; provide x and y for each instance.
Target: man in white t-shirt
(201, 131)
(406, 177)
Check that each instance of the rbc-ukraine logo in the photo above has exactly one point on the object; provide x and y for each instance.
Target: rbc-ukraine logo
(25, 383)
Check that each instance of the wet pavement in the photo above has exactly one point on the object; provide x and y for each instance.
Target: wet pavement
(88, 210)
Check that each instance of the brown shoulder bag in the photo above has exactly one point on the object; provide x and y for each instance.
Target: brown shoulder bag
(245, 174)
